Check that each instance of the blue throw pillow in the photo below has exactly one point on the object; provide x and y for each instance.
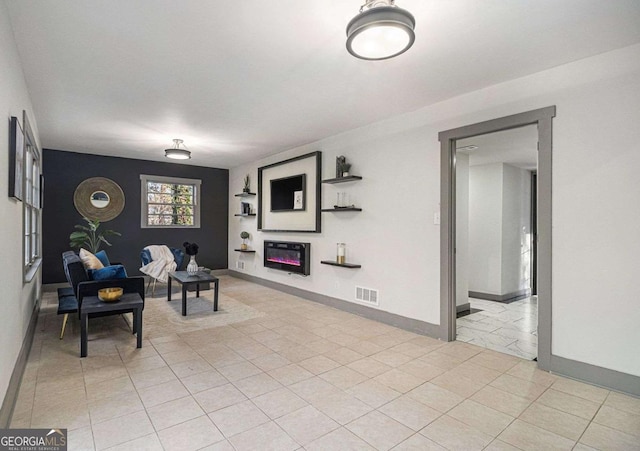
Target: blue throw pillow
(102, 256)
(108, 272)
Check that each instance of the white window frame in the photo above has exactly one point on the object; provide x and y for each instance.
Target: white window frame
(31, 208)
(144, 209)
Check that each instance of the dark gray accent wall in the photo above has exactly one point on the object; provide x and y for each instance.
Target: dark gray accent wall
(63, 171)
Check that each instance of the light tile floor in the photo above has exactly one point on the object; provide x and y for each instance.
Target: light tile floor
(306, 376)
(507, 328)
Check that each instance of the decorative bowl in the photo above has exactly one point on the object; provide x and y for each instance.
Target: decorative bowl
(110, 294)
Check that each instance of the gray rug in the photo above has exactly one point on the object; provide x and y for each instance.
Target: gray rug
(161, 318)
(164, 318)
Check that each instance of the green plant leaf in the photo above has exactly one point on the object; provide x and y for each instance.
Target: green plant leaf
(90, 237)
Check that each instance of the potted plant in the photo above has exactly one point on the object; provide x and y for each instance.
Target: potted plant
(89, 236)
(247, 181)
(245, 237)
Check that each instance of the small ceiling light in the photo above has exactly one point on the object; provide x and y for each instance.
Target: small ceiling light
(380, 31)
(176, 152)
(468, 148)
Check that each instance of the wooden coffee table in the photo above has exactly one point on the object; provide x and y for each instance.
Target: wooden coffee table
(127, 303)
(186, 280)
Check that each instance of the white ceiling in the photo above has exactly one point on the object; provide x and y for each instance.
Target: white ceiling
(240, 80)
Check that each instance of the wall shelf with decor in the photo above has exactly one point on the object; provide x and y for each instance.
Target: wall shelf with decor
(347, 178)
(245, 194)
(344, 265)
(245, 251)
(342, 209)
(246, 209)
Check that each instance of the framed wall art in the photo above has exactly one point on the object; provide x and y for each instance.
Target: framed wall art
(289, 195)
(16, 158)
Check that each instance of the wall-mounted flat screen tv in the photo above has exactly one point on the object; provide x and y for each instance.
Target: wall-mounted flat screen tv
(288, 193)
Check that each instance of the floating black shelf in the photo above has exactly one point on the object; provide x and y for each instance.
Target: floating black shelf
(344, 265)
(342, 209)
(239, 214)
(245, 194)
(247, 251)
(348, 178)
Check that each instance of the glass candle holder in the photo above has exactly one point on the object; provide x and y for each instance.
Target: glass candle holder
(341, 253)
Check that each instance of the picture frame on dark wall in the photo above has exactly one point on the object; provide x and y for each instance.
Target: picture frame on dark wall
(16, 158)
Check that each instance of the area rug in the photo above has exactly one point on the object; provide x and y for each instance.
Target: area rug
(163, 318)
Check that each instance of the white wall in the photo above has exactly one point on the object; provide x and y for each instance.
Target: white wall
(485, 228)
(499, 227)
(595, 194)
(18, 300)
(387, 237)
(516, 227)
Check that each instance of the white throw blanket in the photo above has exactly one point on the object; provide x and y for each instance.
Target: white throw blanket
(162, 262)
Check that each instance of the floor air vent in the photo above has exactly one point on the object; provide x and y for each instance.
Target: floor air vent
(367, 295)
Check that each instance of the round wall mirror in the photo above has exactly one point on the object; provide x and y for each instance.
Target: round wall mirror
(99, 199)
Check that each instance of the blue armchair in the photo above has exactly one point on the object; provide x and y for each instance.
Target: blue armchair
(145, 258)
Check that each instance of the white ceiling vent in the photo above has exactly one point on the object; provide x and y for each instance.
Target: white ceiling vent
(368, 295)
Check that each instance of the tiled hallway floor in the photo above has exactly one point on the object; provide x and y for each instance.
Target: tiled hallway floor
(506, 328)
(306, 376)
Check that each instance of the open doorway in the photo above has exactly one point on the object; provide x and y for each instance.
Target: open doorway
(495, 217)
(542, 120)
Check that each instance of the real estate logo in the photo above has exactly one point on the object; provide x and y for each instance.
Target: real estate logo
(33, 440)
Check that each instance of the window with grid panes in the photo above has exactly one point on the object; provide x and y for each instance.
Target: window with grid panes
(170, 202)
(31, 204)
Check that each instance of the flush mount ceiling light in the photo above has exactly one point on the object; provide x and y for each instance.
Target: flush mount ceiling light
(468, 148)
(380, 31)
(176, 153)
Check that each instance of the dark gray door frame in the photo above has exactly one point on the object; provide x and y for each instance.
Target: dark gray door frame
(543, 119)
(534, 232)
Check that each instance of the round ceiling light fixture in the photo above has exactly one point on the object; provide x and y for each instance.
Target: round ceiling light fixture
(380, 31)
(176, 153)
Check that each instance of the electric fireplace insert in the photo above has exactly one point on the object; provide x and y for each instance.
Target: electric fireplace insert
(287, 256)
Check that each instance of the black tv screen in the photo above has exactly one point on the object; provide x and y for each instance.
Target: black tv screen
(288, 193)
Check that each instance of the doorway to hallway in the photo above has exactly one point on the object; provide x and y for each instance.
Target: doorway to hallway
(495, 217)
(541, 119)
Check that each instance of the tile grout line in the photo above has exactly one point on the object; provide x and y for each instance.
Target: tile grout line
(592, 419)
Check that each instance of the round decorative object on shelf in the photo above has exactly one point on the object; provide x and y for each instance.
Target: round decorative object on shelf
(99, 199)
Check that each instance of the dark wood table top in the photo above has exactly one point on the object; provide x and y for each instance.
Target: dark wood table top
(92, 304)
(184, 277)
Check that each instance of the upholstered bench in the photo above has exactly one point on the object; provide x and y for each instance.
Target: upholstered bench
(67, 303)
